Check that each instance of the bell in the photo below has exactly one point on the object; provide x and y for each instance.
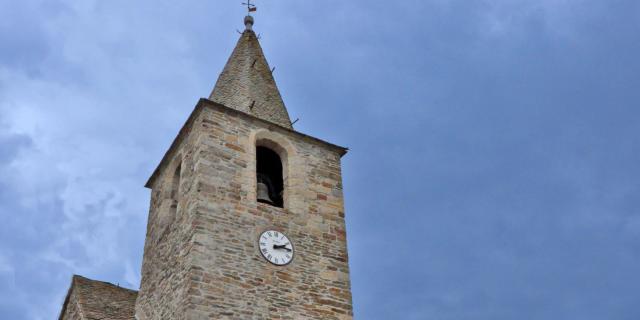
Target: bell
(263, 193)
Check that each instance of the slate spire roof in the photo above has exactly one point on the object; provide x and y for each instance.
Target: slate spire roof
(246, 82)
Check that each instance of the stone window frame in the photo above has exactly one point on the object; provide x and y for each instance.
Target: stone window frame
(285, 150)
(172, 195)
(175, 181)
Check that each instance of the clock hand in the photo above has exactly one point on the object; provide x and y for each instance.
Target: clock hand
(284, 246)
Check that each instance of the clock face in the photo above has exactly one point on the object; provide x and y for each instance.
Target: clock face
(276, 247)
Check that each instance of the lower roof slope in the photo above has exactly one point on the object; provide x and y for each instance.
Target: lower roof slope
(100, 300)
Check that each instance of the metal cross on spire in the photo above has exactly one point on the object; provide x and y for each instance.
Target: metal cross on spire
(250, 6)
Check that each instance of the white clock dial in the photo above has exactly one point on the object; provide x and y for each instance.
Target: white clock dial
(276, 247)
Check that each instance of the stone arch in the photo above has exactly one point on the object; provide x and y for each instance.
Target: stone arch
(284, 149)
(175, 181)
(174, 178)
(171, 197)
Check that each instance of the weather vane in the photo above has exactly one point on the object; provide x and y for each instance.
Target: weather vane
(250, 6)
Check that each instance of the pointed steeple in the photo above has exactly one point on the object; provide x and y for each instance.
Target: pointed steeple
(246, 82)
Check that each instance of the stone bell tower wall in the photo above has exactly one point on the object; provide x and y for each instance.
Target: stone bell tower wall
(201, 258)
(170, 231)
(227, 277)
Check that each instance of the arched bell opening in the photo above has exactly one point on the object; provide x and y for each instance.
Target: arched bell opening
(174, 194)
(270, 186)
(175, 183)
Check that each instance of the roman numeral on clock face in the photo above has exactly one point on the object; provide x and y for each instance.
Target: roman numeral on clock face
(276, 247)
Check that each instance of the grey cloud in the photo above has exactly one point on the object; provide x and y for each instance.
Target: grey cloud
(494, 146)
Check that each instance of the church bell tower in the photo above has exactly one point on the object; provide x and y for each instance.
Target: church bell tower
(246, 219)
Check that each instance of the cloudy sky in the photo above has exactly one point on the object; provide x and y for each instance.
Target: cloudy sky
(495, 145)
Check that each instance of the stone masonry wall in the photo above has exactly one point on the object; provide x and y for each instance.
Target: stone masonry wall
(228, 278)
(168, 242)
(72, 312)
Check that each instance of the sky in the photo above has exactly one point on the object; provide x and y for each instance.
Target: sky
(494, 145)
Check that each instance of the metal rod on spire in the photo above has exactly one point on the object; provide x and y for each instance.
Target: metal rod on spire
(250, 6)
(248, 20)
